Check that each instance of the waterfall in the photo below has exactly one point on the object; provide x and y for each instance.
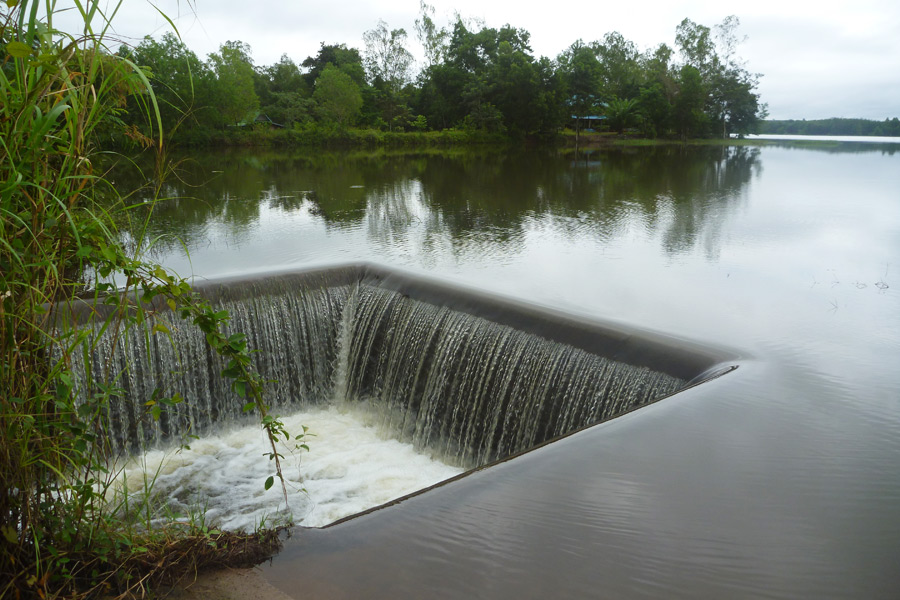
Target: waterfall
(295, 332)
(468, 387)
(473, 390)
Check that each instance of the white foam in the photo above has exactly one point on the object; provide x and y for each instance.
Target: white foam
(350, 467)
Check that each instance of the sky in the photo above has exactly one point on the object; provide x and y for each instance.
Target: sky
(829, 58)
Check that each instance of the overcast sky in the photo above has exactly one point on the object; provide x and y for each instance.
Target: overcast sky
(829, 58)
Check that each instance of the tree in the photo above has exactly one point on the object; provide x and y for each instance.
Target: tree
(387, 58)
(733, 89)
(731, 103)
(388, 64)
(433, 40)
(581, 78)
(487, 75)
(622, 113)
(658, 91)
(688, 112)
(235, 90)
(619, 66)
(282, 77)
(180, 81)
(337, 97)
(697, 47)
(347, 60)
(283, 92)
(515, 89)
(656, 109)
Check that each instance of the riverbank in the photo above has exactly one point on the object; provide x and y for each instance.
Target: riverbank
(316, 137)
(365, 139)
(227, 584)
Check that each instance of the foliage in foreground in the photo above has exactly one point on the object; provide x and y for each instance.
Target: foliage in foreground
(63, 532)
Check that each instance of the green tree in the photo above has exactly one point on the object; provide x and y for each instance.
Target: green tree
(656, 109)
(387, 58)
(619, 66)
(433, 40)
(732, 105)
(180, 81)
(281, 77)
(487, 74)
(511, 79)
(581, 76)
(235, 91)
(658, 90)
(283, 93)
(688, 112)
(697, 47)
(734, 99)
(454, 88)
(347, 60)
(388, 64)
(622, 113)
(338, 98)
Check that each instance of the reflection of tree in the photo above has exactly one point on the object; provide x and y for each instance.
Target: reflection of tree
(675, 188)
(838, 147)
(682, 194)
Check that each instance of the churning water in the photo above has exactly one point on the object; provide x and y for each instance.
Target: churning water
(351, 466)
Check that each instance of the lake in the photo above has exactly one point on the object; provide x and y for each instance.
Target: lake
(781, 480)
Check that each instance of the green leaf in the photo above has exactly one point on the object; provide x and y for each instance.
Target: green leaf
(249, 406)
(270, 481)
(18, 50)
(9, 532)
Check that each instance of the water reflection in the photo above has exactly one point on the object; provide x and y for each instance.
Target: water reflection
(779, 482)
(459, 202)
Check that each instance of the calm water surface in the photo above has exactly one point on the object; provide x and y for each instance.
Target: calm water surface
(779, 481)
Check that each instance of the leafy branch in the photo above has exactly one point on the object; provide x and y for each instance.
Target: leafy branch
(154, 284)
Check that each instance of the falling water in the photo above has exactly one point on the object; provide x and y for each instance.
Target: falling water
(459, 385)
(295, 332)
(473, 390)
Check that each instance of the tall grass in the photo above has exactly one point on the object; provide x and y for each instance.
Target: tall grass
(59, 535)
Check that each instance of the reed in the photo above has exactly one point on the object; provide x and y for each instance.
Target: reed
(60, 95)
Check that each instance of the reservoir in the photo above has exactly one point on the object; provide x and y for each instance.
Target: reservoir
(777, 480)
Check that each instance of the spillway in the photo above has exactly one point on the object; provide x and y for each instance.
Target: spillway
(465, 376)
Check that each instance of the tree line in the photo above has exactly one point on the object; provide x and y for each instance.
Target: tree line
(473, 78)
(835, 126)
